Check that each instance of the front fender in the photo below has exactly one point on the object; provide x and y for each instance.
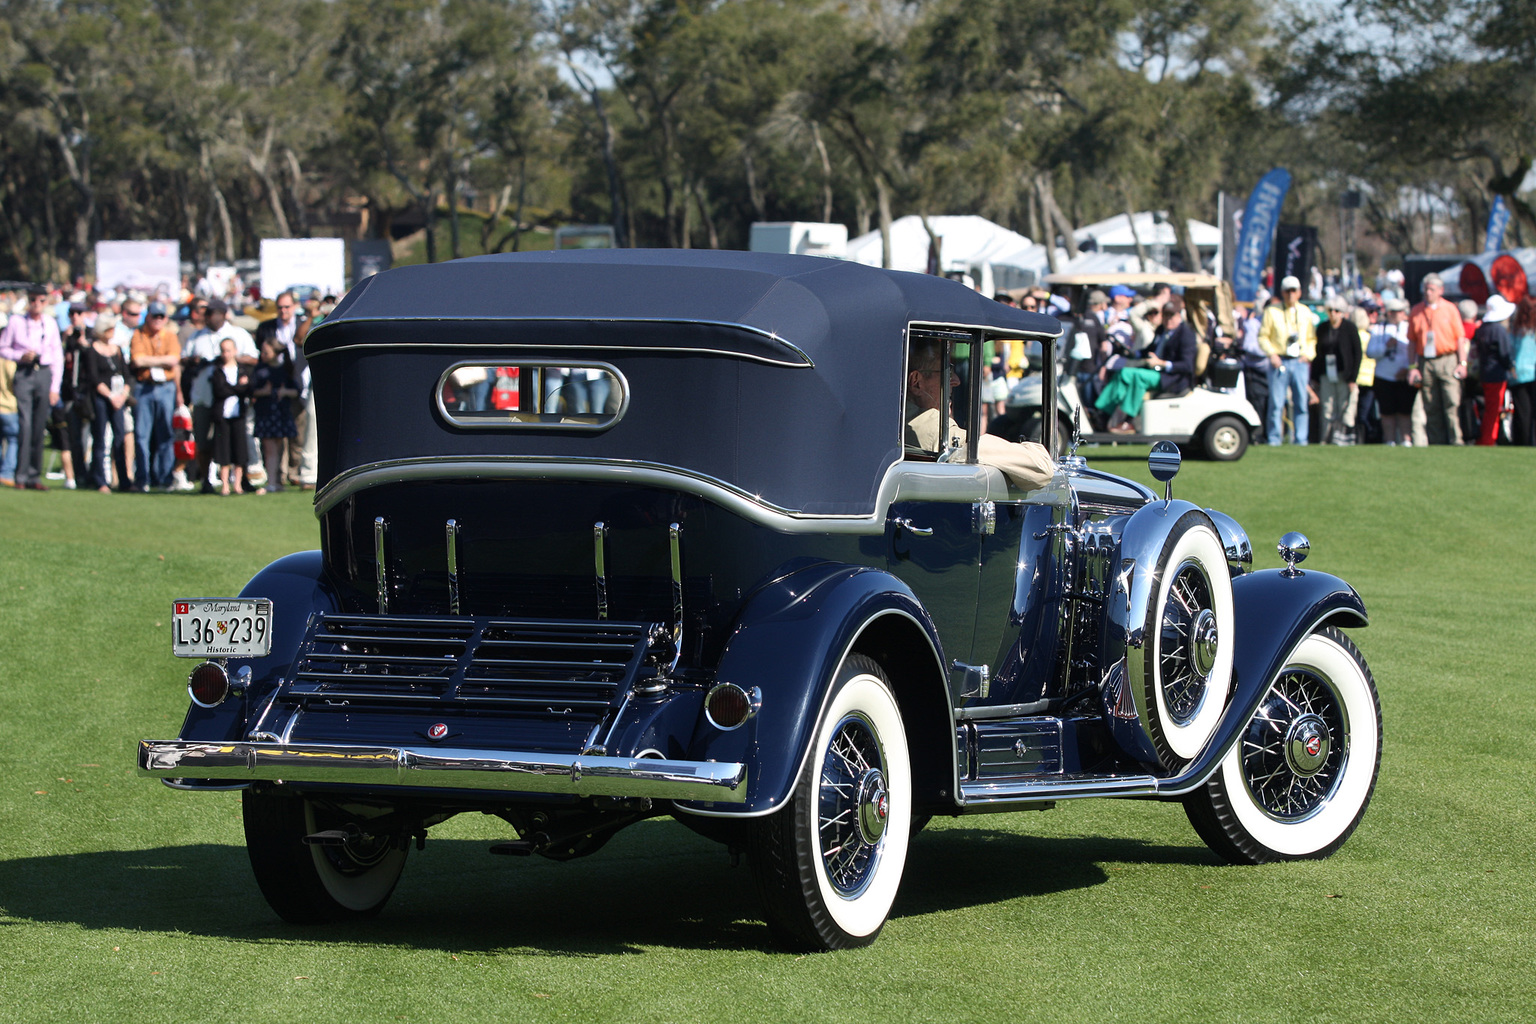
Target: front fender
(297, 588)
(789, 642)
(1274, 613)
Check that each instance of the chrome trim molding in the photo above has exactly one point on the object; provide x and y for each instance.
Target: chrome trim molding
(903, 481)
(803, 362)
(452, 531)
(446, 768)
(381, 576)
(600, 564)
(675, 543)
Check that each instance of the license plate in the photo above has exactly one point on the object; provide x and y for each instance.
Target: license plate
(236, 627)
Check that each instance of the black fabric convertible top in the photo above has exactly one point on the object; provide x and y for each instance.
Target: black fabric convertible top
(796, 395)
(797, 298)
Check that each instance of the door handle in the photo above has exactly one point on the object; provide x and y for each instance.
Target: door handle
(916, 531)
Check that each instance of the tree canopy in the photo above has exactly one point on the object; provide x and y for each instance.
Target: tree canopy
(680, 122)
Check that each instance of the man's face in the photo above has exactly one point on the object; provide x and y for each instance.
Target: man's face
(35, 305)
(1122, 302)
(1290, 296)
(1335, 317)
(131, 314)
(215, 318)
(285, 306)
(199, 313)
(1432, 292)
(926, 385)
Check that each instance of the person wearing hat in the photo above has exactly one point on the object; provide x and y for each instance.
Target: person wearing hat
(1440, 346)
(156, 364)
(31, 340)
(1395, 397)
(1120, 299)
(1289, 339)
(1335, 372)
(1495, 354)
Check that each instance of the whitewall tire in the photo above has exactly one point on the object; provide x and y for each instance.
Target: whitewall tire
(829, 864)
(1299, 780)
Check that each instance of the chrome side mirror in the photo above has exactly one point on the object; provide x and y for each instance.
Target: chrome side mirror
(1163, 463)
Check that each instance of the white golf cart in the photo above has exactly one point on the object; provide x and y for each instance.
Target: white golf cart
(1214, 417)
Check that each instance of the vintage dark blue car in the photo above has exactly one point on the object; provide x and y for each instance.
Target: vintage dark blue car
(611, 535)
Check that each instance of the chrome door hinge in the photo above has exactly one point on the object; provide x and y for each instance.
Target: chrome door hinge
(975, 680)
(984, 518)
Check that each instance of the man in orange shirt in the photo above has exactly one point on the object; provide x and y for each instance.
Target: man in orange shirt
(156, 349)
(1439, 344)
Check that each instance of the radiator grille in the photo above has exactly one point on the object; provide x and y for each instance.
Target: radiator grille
(532, 664)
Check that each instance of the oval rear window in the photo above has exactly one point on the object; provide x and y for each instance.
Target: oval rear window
(532, 395)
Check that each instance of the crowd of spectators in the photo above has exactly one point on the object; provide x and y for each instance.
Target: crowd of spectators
(154, 392)
(157, 392)
(1347, 367)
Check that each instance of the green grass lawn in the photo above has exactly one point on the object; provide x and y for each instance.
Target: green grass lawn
(121, 899)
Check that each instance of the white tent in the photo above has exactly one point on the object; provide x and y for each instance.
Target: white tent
(997, 258)
(965, 241)
(1153, 229)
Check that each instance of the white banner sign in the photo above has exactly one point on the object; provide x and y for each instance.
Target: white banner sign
(150, 267)
(287, 262)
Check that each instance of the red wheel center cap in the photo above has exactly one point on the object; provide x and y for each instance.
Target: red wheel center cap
(1314, 745)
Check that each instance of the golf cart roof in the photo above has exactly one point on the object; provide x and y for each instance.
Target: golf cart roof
(1133, 280)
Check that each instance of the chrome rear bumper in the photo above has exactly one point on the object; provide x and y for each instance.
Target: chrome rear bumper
(442, 768)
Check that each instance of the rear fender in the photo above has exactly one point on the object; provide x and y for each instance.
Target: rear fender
(789, 642)
(297, 588)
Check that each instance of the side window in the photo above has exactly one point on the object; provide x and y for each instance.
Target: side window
(938, 364)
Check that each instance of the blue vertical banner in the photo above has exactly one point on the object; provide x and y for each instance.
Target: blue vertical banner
(1260, 218)
(1498, 220)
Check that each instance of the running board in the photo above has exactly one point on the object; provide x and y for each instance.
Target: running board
(996, 794)
(1025, 791)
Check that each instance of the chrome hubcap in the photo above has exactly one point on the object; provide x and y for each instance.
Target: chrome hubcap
(1203, 643)
(1306, 745)
(874, 806)
(1295, 748)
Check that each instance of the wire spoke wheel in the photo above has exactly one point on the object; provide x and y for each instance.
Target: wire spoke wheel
(1301, 776)
(1189, 640)
(853, 806)
(1294, 750)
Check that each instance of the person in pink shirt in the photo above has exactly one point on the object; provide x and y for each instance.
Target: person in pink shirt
(1439, 344)
(31, 341)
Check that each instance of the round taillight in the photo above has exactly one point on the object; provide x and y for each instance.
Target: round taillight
(727, 706)
(208, 684)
